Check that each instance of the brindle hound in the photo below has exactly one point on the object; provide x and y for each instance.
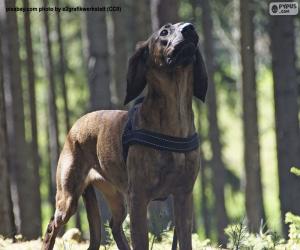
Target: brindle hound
(171, 65)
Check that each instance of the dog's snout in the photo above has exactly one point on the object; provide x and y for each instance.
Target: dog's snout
(181, 45)
(189, 33)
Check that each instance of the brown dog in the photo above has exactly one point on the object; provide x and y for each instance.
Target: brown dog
(171, 65)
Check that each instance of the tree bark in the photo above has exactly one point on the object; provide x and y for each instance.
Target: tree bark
(36, 202)
(62, 68)
(204, 200)
(203, 178)
(119, 57)
(20, 172)
(162, 12)
(218, 166)
(254, 196)
(194, 4)
(139, 22)
(53, 125)
(7, 223)
(286, 112)
(98, 65)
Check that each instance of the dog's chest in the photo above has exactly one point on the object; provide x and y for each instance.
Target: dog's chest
(162, 172)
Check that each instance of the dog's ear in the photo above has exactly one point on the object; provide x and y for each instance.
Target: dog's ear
(200, 77)
(136, 73)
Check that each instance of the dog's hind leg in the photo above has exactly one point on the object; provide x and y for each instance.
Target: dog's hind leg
(93, 216)
(65, 207)
(70, 183)
(118, 209)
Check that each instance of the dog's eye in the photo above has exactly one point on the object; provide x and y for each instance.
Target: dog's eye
(164, 33)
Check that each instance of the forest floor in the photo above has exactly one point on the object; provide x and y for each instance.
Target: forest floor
(65, 243)
(71, 240)
(74, 245)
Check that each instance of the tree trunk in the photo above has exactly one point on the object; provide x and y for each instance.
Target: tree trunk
(140, 22)
(119, 56)
(99, 78)
(7, 224)
(36, 202)
(254, 197)
(203, 180)
(204, 200)
(217, 163)
(162, 12)
(203, 177)
(160, 216)
(286, 112)
(98, 65)
(194, 4)
(53, 127)
(62, 68)
(21, 174)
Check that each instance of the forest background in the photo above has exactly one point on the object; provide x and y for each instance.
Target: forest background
(57, 66)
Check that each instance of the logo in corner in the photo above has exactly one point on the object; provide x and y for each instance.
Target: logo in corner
(283, 8)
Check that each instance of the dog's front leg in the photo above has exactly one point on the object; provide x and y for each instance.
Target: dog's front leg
(138, 219)
(183, 219)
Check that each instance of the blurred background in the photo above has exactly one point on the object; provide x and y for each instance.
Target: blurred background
(57, 66)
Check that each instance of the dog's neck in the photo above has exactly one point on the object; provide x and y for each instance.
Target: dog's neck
(167, 107)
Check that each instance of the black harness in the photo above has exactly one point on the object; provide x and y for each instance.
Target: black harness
(131, 136)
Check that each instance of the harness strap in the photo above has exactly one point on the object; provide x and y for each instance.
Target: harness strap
(154, 140)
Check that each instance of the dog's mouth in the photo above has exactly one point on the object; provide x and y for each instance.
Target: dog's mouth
(182, 54)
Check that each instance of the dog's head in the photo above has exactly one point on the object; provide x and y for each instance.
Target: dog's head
(172, 46)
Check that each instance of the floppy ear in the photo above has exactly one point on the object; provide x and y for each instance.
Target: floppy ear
(200, 77)
(136, 73)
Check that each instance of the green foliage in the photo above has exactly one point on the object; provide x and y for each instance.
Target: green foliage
(294, 228)
(293, 220)
(240, 238)
(237, 235)
(295, 171)
(166, 242)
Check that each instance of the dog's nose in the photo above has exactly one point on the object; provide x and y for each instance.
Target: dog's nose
(187, 30)
(189, 33)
